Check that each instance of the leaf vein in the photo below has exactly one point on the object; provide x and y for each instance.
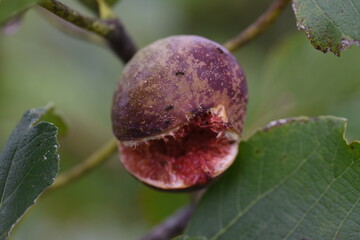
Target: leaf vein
(23, 179)
(318, 199)
(323, 12)
(259, 197)
(8, 173)
(16, 151)
(345, 217)
(354, 7)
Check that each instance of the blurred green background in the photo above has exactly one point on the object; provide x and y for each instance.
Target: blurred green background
(286, 77)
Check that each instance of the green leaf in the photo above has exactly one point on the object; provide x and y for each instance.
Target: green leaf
(53, 116)
(296, 179)
(93, 5)
(9, 8)
(330, 25)
(28, 165)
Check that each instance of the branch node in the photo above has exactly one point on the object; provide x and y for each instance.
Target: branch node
(110, 29)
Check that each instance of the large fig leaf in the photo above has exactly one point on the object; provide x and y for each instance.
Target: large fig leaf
(331, 25)
(28, 164)
(296, 179)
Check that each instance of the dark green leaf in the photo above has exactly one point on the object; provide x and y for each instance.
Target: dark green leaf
(9, 8)
(28, 165)
(331, 25)
(296, 179)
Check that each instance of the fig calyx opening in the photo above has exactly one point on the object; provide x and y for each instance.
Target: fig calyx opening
(187, 156)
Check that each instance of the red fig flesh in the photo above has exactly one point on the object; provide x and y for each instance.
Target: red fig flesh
(178, 112)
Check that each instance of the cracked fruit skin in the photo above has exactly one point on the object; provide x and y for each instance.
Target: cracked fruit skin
(178, 112)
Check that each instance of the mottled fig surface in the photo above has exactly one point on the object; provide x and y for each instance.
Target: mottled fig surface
(172, 79)
(178, 112)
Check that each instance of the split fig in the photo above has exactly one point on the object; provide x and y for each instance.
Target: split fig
(178, 112)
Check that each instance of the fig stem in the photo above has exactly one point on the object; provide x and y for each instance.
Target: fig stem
(111, 30)
(172, 226)
(94, 160)
(257, 27)
(70, 29)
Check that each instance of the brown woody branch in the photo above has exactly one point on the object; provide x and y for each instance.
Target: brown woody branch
(111, 30)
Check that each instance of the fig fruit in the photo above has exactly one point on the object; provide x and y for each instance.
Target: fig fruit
(178, 112)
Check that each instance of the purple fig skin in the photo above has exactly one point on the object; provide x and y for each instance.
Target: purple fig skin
(173, 79)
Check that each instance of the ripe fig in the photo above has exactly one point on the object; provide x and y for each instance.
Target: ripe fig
(178, 112)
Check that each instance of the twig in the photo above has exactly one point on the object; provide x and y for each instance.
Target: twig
(97, 158)
(104, 10)
(120, 42)
(172, 226)
(110, 29)
(257, 27)
(71, 29)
